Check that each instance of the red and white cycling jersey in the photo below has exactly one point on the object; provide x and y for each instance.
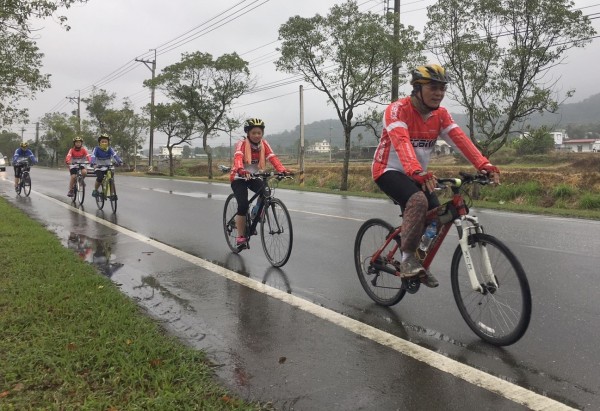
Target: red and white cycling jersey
(407, 140)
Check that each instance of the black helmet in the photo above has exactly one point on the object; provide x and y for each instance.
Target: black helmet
(104, 135)
(253, 122)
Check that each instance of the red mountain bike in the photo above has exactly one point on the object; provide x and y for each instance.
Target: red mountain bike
(489, 284)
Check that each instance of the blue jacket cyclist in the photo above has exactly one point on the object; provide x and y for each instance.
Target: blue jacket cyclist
(103, 155)
(22, 153)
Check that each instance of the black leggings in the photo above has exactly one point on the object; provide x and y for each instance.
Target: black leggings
(240, 191)
(400, 187)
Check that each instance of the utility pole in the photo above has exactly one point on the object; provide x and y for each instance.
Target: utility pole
(151, 64)
(78, 100)
(330, 147)
(37, 139)
(301, 135)
(395, 62)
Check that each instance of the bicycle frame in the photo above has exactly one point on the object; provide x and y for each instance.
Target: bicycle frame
(264, 195)
(105, 182)
(465, 225)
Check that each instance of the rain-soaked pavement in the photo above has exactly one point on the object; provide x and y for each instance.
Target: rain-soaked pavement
(269, 344)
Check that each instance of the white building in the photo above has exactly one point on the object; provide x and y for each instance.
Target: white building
(559, 137)
(320, 147)
(582, 145)
(164, 152)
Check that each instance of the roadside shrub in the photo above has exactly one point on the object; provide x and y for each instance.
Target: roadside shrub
(563, 191)
(508, 192)
(590, 201)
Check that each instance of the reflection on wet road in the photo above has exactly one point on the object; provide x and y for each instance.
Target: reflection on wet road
(170, 255)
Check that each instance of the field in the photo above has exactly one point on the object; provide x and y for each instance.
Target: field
(558, 183)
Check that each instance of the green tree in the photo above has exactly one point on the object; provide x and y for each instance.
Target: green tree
(21, 59)
(205, 88)
(187, 151)
(348, 56)
(123, 125)
(535, 141)
(502, 53)
(9, 142)
(172, 120)
(58, 137)
(98, 107)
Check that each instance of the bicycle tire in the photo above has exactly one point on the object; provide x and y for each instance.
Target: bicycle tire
(112, 195)
(100, 197)
(26, 180)
(276, 232)
(499, 316)
(79, 194)
(382, 287)
(229, 227)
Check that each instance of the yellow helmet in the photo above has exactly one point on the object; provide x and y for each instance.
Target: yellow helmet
(253, 122)
(429, 73)
(77, 138)
(24, 144)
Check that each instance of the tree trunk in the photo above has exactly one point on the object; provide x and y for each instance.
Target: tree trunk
(344, 185)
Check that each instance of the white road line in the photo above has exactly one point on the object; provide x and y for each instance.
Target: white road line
(471, 375)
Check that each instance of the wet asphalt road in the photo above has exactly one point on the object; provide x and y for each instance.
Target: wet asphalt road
(293, 341)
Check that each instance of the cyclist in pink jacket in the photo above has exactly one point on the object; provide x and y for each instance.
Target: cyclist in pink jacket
(76, 155)
(411, 126)
(250, 156)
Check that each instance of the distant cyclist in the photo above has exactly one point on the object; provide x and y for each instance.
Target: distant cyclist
(22, 153)
(411, 126)
(76, 155)
(250, 157)
(102, 155)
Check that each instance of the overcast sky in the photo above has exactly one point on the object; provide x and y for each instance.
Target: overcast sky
(107, 36)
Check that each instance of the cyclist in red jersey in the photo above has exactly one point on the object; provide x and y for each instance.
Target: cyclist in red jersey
(411, 126)
(76, 155)
(250, 157)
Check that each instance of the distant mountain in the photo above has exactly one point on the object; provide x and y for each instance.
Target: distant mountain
(584, 112)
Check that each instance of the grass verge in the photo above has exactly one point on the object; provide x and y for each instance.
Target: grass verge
(71, 340)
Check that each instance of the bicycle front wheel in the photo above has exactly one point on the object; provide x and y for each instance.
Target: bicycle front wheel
(112, 195)
(383, 287)
(27, 184)
(229, 227)
(100, 197)
(276, 232)
(79, 190)
(499, 315)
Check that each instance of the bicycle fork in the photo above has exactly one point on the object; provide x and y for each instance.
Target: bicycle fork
(489, 279)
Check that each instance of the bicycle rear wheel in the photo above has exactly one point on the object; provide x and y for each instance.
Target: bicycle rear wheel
(384, 288)
(112, 195)
(276, 233)
(499, 315)
(100, 197)
(26, 184)
(229, 227)
(79, 190)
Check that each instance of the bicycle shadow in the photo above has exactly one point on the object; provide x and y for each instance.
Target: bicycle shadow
(112, 217)
(235, 263)
(385, 319)
(276, 278)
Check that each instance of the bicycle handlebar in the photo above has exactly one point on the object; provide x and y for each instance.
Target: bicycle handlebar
(269, 174)
(264, 174)
(465, 178)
